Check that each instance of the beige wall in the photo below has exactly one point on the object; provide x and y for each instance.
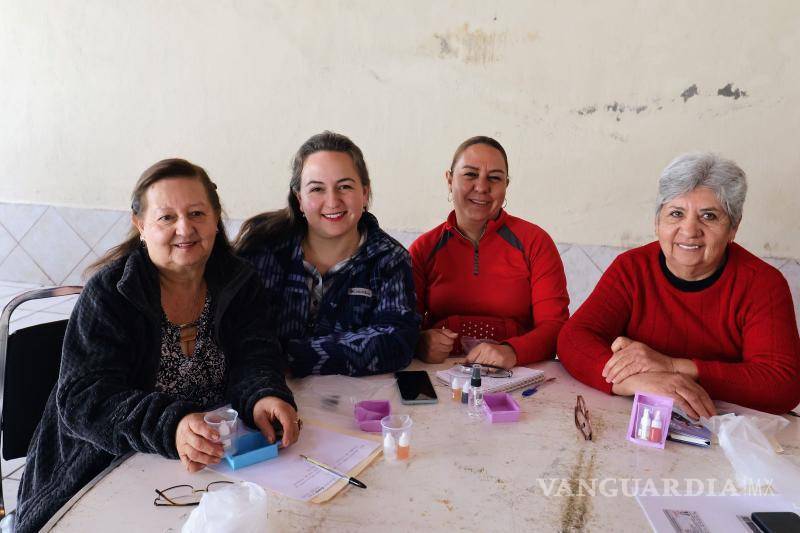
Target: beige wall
(586, 97)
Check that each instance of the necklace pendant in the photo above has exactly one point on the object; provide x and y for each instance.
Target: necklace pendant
(188, 335)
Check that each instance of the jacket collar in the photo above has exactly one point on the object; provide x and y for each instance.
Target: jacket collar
(225, 274)
(377, 241)
(491, 226)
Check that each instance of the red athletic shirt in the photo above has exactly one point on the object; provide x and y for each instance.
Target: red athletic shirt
(740, 331)
(515, 272)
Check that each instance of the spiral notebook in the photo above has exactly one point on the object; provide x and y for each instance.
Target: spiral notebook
(522, 377)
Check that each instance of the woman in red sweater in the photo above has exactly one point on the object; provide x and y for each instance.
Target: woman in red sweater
(486, 274)
(693, 316)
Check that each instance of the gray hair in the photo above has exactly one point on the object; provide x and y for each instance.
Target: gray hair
(703, 169)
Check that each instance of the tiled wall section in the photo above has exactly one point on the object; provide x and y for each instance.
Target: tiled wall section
(50, 245)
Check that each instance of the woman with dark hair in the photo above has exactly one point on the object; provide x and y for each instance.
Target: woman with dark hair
(172, 324)
(484, 277)
(341, 289)
(693, 315)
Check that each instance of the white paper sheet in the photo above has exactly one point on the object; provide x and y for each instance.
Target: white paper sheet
(292, 476)
(708, 514)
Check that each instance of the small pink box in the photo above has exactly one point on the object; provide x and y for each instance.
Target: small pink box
(368, 414)
(501, 407)
(654, 404)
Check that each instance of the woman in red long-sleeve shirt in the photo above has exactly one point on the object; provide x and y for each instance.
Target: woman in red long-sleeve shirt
(693, 316)
(486, 274)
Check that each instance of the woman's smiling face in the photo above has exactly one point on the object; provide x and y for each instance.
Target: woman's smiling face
(331, 195)
(694, 230)
(478, 181)
(178, 224)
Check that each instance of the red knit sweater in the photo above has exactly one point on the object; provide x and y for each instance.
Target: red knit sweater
(740, 331)
(515, 273)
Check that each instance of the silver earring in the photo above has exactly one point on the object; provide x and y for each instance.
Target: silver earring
(505, 203)
(142, 242)
(449, 197)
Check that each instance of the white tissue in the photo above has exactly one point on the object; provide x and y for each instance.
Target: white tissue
(747, 443)
(237, 508)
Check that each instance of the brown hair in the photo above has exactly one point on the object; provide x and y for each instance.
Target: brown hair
(270, 225)
(479, 139)
(167, 168)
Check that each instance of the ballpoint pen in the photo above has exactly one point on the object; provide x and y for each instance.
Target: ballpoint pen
(530, 392)
(351, 480)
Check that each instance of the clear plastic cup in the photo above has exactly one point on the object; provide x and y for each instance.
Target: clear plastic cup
(396, 437)
(224, 422)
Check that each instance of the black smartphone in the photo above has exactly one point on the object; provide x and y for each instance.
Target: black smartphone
(777, 522)
(415, 387)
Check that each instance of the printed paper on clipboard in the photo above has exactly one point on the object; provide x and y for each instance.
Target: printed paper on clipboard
(291, 476)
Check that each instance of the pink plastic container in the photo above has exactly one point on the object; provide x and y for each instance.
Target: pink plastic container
(368, 414)
(501, 407)
(653, 403)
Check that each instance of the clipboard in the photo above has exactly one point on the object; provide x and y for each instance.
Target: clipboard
(294, 478)
(334, 489)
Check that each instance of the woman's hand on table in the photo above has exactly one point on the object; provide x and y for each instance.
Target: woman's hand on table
(270, 409)
(487, 353)
(633, 357)
(435, 345)
(198, 445)
(687, 393)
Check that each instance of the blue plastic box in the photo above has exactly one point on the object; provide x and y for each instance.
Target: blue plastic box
(251, 448)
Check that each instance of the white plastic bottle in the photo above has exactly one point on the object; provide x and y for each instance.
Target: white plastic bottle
(644, 425)
(390, 447)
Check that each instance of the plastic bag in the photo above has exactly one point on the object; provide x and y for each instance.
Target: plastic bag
(240, 508)
(748, 444)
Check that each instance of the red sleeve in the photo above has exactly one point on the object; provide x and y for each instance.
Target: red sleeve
(584, 345)
(768, 377)
(420, 277)
(549, 302)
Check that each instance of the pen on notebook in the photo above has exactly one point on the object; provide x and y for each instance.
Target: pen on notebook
(351, 480)
(532, 390)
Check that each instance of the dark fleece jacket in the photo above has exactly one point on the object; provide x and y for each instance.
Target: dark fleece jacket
(105, 404)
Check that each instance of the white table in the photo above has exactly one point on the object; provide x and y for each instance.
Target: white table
(461, 476)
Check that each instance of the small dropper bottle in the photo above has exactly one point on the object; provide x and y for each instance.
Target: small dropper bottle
(644, 425)
(655, 428)
(476, 394)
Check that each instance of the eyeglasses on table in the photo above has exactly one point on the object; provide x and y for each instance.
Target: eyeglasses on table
(582, 418)
(185, 495)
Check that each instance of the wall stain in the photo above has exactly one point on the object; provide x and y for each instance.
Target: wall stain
(617, 108)
(729, 92)
(476, 46)
(575, 511)
(444, 46)
(375, 75)
(689, 92)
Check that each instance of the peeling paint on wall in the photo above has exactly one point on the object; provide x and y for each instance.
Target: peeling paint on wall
(471, 46)
(729, 92)
(689, 92)
(615, 107)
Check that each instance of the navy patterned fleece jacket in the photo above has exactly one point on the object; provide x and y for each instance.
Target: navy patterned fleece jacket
(366, 322)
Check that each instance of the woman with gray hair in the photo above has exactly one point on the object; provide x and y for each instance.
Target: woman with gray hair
(693, 316)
